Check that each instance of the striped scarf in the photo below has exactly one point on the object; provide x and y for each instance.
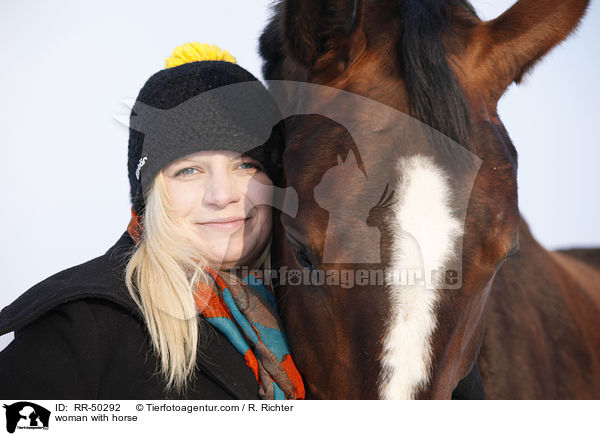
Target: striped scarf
(247, 316)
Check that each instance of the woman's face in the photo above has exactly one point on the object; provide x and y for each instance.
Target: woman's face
(225, 200)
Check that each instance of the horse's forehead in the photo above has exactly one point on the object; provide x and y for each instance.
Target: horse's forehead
(312, 147)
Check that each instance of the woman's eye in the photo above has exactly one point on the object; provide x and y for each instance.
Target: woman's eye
(249, 166)
(187, 171)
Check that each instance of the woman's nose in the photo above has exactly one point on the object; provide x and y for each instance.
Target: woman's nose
(221, 190)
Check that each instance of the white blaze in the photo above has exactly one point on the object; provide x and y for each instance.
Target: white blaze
(423, 239)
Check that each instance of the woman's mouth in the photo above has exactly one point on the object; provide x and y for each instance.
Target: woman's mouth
(226, 224)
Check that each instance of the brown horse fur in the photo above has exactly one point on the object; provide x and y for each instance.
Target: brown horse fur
(439, 62)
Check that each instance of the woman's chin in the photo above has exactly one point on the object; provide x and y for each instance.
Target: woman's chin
(225, 250)
(231, 256)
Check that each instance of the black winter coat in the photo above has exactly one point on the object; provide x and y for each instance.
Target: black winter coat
(79, 335)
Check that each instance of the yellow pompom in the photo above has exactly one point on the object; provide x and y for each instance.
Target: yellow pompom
(193, 52)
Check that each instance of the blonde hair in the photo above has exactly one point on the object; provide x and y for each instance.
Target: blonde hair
(161, 276)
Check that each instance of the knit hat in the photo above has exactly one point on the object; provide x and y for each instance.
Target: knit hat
(202, 101)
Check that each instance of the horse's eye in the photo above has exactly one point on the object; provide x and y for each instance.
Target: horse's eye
(300, 253)
(302, 257)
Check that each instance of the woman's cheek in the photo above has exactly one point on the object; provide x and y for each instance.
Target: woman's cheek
(186, 199)
(266, 218)
(260, 191)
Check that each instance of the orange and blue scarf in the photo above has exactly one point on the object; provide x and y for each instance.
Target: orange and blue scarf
(247, 316)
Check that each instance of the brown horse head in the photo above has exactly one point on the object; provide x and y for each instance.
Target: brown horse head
(408, 195)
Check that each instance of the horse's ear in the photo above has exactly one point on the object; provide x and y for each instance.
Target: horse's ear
(311, 28)
(513, 43)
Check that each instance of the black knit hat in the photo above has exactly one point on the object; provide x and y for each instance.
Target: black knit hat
(197, 106)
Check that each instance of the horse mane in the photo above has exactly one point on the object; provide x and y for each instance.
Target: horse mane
(271, 48)
(434, 94)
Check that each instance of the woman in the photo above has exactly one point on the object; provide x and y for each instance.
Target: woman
(162, 314)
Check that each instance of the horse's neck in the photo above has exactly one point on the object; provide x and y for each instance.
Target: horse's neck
(541, 326)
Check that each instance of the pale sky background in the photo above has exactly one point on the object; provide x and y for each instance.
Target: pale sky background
(67, 65)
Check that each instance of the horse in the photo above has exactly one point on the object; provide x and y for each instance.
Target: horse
(526, 315)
